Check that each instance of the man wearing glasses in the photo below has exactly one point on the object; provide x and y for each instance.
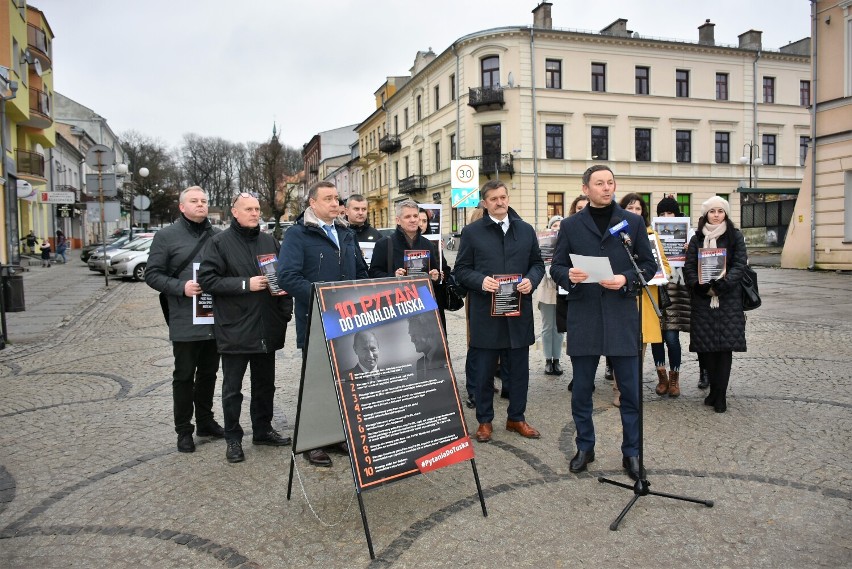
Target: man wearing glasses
(320, 247)
(250, 323)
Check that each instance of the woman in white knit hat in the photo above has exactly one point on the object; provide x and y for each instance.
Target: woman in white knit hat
(717, 326)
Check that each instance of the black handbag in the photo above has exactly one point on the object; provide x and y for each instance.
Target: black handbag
(665, 299)
(751, 294)
(453, 295)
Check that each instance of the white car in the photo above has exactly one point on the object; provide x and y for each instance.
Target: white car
(130, 264)
(97, 262)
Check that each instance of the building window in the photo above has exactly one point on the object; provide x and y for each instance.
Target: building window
(420, 162)
(553, 141)
(769, 89)
(599, 77)
(396, 124)
(453, 87)
(600, 143)
(723, 148)
(721, 86)
(437, 157)
(553, 74)
(682, 83)
(407, 167)
(769, 149)
(491, 71)
(683, 146)
(805, 93)
(643, 75)
(683, 201)
(437, 97)
(419, 108)
(555, 204)
(804, 141)
(396, 172)
(491, 141)
(405, 118)
(643, 144)
(453, 154)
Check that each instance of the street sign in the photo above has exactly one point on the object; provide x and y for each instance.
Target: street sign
(112, 211)
(99, 157)
(142, 202)
(108, 181)
(140, 216)
(56, 197)
(464, 183)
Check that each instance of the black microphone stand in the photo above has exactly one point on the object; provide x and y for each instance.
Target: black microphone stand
(642, 487)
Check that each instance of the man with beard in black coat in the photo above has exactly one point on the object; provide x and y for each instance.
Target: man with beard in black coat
(249, 322)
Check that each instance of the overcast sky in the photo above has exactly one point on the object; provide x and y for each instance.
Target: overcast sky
(230, 68)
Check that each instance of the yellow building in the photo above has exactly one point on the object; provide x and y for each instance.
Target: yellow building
(536, 106)
(825, 201)
(27, 89)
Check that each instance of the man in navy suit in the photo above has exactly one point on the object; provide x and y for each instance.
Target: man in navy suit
(603, 317)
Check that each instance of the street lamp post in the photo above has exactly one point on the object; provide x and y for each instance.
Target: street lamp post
(752, 159)
(121, 170)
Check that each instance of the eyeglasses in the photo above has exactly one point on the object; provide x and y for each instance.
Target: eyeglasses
(243, 195)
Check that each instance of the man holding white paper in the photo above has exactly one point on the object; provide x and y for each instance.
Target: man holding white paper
(603, 317)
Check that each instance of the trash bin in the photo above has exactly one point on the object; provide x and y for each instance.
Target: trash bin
(13, 289)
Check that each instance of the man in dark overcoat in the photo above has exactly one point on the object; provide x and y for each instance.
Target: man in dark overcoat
(603, 317)
(501, 243)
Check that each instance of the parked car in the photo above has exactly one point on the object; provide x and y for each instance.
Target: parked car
(98, 263)
(112, 243)
(269, 226)
(131, 263)
(386, 231)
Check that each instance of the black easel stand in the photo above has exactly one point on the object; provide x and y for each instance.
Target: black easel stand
(642, 487)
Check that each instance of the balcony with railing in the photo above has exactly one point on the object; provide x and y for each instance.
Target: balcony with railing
(39, 45)
(412, 184)
(389, 143)
(40, 115)
(491, 163)
(30, 164)
(486, 98)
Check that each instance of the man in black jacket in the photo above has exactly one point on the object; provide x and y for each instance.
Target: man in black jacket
(356, 215)
(194, 347)
(249, 322)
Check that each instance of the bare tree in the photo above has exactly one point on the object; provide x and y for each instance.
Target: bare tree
(163, 184)
(212, 163)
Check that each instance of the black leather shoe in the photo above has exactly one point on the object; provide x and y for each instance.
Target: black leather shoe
(704, 379)
(211, 429)
(470, 403)
(185, 443)
(557, 368)
(504, 394)
(234, 452)
(608, 372)
(710, 400)
(548, 367)
(340, 448)
(271, 438)
(581, 460)
(631, 466)
(318, 457)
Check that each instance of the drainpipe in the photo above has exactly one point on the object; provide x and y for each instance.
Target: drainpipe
(814, 84)
(534, 127)
(754, 132)
(458, 105)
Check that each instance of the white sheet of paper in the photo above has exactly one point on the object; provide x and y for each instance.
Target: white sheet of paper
(598, 268)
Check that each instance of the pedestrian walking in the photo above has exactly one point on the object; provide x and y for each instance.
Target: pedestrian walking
(45, 253)
(61, 246)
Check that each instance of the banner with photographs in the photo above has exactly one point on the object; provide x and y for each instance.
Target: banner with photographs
(660, 277)
(674, 234)
(395, 385)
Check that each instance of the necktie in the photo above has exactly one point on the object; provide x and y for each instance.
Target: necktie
(332, 234)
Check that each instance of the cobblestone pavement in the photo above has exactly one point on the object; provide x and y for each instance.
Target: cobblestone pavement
(89, 473)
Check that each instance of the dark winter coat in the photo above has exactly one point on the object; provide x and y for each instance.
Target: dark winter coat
(309, 256)
(484, 252)
(721, 329)
(169, 250)
(676, 316)
(602, 322)
(366, 233)
(244, 321)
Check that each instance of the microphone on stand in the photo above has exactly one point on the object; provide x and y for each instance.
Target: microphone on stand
(626, 239)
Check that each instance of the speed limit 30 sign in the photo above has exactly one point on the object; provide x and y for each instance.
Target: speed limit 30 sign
(464, 183)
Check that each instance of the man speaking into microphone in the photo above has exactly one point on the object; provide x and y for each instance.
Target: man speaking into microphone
(603, 316)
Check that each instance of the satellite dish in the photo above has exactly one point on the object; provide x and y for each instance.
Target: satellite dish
(37, 67)
(511, 80)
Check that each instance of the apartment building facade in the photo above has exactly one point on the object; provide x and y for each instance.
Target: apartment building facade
(536, 106)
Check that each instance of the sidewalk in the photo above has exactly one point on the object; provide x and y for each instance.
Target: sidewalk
(89, 473)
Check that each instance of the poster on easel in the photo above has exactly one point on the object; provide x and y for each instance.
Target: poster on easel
(377, 374)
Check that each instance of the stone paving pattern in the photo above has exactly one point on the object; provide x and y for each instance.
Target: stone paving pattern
(90, 477)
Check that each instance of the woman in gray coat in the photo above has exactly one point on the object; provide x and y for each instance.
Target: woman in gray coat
(717, 317)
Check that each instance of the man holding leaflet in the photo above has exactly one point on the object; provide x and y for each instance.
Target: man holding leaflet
(603, 317)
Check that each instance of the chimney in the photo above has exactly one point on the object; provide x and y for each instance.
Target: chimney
(751, 40)
(617, 28)
(706, 34)
(541, 16)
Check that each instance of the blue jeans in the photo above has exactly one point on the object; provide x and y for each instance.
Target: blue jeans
(551, 339)
(672, 341)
